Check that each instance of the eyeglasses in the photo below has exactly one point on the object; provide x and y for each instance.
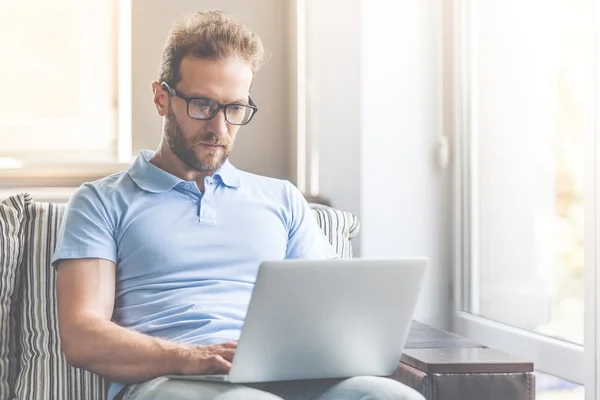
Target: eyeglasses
(205, 109)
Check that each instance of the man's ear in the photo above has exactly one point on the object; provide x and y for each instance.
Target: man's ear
(161, 98)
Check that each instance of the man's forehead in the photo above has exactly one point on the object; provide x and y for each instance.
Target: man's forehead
(224, 80)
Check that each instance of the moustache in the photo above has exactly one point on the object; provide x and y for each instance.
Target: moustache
(213, 141)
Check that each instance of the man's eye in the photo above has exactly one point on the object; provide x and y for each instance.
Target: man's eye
(202, 104)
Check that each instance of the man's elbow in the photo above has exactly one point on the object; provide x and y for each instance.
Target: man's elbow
(74, 355)
(75, 348)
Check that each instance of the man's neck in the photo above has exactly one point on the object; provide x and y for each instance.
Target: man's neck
(169, 162)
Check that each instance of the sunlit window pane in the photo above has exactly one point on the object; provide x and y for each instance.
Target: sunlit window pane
(532, 104)
(58, 79)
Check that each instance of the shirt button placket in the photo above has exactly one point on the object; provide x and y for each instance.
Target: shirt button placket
(206, 213)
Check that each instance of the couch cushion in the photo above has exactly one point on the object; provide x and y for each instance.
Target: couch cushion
(11, 218)
(45, 373)
(339, 227)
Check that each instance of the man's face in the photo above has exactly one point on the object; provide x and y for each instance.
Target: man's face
(205, 145)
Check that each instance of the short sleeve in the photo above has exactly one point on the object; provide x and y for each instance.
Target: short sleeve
(86, 230)
(306, 240)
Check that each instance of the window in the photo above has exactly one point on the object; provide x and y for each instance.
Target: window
(526, 90)
(59, 79)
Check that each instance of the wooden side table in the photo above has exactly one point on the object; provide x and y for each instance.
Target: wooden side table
(445, 366)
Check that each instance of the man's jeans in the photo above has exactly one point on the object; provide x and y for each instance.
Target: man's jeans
(357, 388)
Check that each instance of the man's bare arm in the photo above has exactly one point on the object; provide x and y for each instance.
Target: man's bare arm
(90, 340)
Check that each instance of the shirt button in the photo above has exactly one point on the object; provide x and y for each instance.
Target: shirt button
(188, 185)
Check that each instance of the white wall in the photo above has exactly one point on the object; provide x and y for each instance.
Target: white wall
(406, 198)
(333, 97)
(262, 146)
(380, 66)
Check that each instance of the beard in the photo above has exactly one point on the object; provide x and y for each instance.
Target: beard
(213, 160)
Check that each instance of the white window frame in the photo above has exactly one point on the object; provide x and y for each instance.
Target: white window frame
(553, 356)
(124, 85)
(592, 239)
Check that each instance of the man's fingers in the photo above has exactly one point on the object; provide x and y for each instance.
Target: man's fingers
(220, 365)
(227, 354)
(232, 344)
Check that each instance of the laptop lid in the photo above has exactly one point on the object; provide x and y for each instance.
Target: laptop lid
(312, 319)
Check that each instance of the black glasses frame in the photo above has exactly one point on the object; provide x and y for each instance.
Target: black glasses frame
(221, 106)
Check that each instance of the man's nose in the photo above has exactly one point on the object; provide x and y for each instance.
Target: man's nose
(218, 124)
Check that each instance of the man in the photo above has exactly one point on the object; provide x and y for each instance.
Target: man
(156, 265)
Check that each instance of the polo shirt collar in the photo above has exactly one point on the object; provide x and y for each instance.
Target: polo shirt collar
(229, 175)
(153, 179)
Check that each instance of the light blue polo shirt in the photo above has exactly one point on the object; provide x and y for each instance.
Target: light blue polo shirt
(187, 261)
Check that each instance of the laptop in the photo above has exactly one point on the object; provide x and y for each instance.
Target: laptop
(314, 319)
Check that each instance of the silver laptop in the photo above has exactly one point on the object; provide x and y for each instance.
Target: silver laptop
(325, 319)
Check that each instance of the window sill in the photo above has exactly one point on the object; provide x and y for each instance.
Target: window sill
(57, 175)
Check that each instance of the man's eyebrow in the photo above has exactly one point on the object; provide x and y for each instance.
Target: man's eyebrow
(204, 97)
(196, 96)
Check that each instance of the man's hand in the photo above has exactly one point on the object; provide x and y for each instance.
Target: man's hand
(205, 360)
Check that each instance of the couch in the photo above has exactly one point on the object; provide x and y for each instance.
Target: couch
(33, 367)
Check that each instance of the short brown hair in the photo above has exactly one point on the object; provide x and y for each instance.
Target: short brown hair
(210, 35)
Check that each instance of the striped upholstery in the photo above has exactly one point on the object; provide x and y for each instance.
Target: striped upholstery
(339, 227)
(11, 218)
(44, 372)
